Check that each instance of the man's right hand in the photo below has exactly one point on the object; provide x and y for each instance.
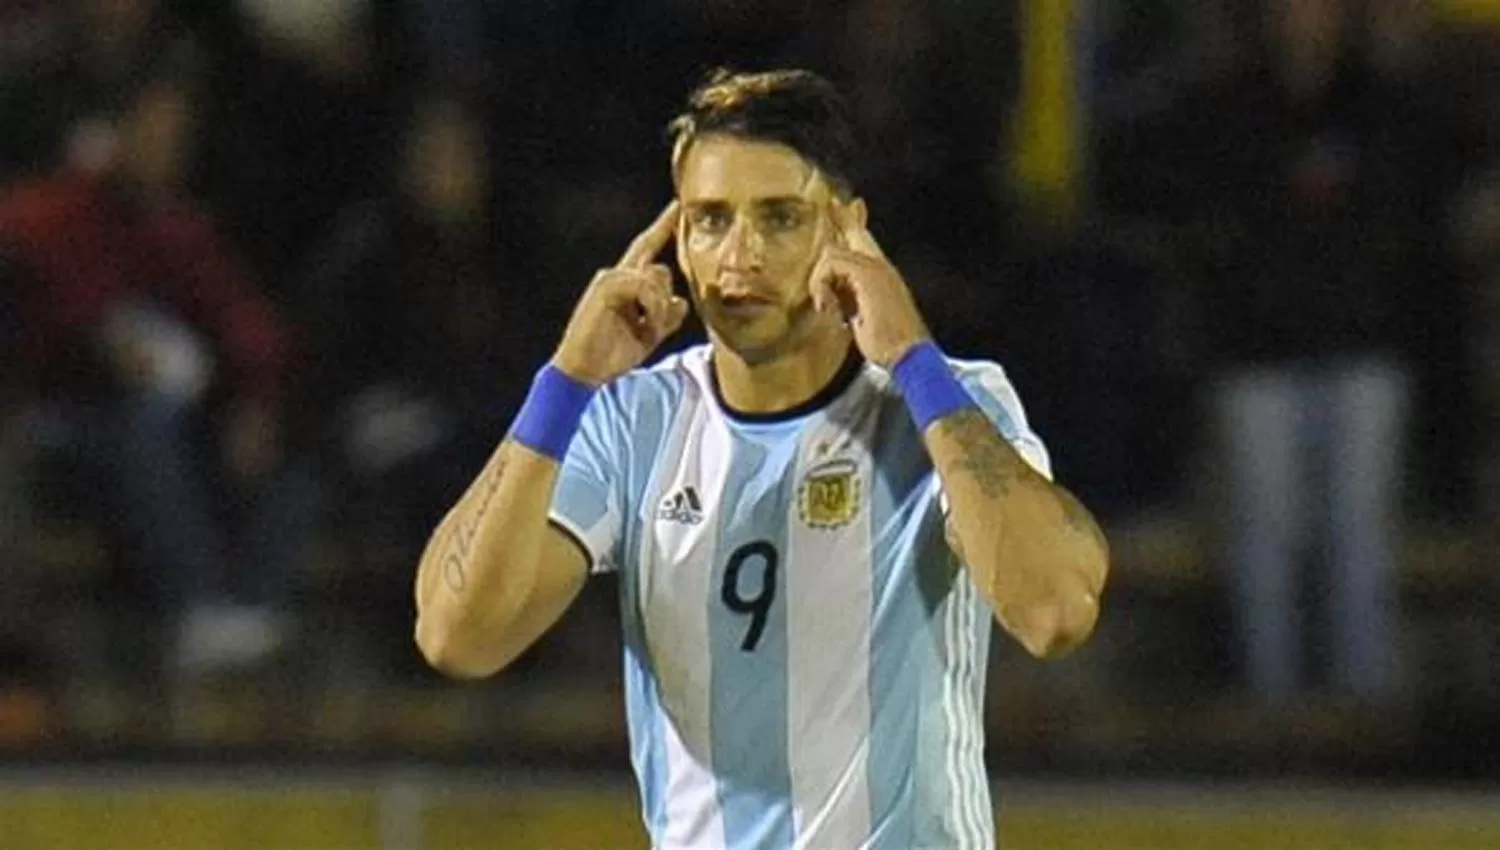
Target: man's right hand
(626, 312)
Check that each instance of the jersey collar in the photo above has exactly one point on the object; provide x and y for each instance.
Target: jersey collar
(853, 364)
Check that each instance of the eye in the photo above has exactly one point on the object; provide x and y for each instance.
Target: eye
(709, 219)
(783, 219)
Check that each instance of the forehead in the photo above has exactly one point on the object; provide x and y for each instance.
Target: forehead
(724, 168)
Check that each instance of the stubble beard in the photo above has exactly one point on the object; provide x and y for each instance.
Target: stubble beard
(799, 325)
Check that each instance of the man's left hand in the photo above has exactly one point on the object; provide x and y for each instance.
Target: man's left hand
(854, 277)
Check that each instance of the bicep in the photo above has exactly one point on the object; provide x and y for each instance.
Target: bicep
(565, 556)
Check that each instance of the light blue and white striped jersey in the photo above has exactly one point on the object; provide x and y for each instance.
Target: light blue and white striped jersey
(804, 659)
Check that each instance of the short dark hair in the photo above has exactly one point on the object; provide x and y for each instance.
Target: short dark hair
(796, 108)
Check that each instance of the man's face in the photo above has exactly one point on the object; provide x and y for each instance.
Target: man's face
(755, 216)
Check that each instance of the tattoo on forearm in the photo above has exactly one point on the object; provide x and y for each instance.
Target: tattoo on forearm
(986, 457)
(456, 561)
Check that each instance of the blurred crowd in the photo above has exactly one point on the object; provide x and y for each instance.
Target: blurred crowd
(274, 275)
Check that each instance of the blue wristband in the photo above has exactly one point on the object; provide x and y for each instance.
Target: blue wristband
(925, 381)
(550, 415)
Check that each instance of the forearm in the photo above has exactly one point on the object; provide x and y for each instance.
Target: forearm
(483, 561)
(1031, 549)
(494, 575)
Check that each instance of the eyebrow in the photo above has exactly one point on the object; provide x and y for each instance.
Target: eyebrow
(773, 201)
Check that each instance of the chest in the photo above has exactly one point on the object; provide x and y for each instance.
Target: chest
(756, 545)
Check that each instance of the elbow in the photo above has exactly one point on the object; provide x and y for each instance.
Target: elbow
(444, 652)
(1053, 628)
(1067, 625)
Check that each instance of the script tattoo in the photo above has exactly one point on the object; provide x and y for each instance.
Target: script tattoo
(454, 565)
(986, 457)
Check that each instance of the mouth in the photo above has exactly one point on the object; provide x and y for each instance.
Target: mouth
(742, 302)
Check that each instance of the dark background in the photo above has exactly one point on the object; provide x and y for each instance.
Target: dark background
(380, 214)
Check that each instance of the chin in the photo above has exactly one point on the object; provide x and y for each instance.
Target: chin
(753, 345)
(761, 345)
(752, 351)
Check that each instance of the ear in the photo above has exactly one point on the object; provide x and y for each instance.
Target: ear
(858, 212)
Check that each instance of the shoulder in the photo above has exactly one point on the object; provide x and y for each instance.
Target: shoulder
(669, 377)
(965, 366)
(986, 375)
(653, 389)
(992, 388)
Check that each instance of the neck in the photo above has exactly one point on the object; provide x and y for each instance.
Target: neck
(784, 381)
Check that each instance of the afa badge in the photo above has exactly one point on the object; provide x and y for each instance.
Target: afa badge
(829, 495)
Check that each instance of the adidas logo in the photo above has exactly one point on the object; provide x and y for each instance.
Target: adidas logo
(682, 506)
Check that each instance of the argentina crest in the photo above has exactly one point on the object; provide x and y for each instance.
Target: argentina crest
(829, 494)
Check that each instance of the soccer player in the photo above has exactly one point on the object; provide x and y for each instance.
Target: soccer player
(814, 516)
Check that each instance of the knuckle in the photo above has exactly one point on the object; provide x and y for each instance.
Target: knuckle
(618, 280)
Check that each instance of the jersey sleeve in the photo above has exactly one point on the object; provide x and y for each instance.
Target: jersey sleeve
(997, 398)
(587, 502)
(995, 395)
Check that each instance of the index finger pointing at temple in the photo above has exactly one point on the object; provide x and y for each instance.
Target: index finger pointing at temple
(857, 237)
(644, 248)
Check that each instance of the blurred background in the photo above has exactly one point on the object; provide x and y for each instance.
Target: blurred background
(275, 274)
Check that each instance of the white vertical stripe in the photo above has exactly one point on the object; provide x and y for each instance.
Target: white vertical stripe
(693, 818)
(829, 577)
(969, 718)
(676, 567)
(953, 641)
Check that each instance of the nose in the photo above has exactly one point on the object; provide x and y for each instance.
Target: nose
(743, 248)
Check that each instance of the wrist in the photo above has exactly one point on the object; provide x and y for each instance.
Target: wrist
(899, 352)
(552, 412)
(571, 369)
(927, 384)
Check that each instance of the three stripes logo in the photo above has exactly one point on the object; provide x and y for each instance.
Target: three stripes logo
(682, 506)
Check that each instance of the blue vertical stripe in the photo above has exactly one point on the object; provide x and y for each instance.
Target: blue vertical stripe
(651, 400)
(901, 474)
(647, 751)
(749, 702)
(653, 410)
